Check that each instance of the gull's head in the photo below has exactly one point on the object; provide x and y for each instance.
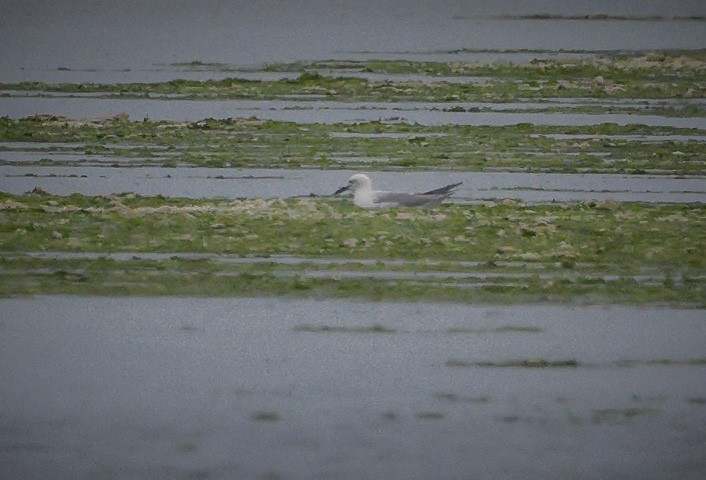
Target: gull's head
(359, 181)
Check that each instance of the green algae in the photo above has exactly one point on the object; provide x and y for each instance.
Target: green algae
(503, 329)
(456, 398)
(655, 75)
(623, 66)
(541, 363)
(563, 253)
(584, 232)
(343, 329)
(140, 277)
(578, 252)
(429, 416)
(605, 233)
(269, 144)
(601, 17)
(265, 416)
(524, 363)
(621, 416)
(665, 362)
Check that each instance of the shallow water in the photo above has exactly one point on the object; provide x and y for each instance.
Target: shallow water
(313, 112)
(245, 388)
(232, 183)
(167, 73)
(118, 35)
(474, 274)
(182, 388)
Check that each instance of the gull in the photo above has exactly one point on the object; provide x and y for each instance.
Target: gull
(365, 197)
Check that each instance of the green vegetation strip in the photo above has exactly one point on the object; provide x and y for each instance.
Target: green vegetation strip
(376, 328)
(342, 329)
(601, 17)
(581, 241)
(524, 363)
(656, 75)
(572, 363)
(607, 148)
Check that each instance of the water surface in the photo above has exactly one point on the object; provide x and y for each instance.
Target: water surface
(124, 34)
(239, 388)
(233, 183)
(314, 112)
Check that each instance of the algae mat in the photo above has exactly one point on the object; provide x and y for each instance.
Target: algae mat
(594, 252)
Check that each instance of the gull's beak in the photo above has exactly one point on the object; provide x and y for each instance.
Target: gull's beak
(341, 190)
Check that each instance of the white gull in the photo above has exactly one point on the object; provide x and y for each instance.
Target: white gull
(365, 197)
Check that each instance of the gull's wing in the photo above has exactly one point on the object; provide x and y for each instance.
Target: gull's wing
(407, 199)
(442, 190)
